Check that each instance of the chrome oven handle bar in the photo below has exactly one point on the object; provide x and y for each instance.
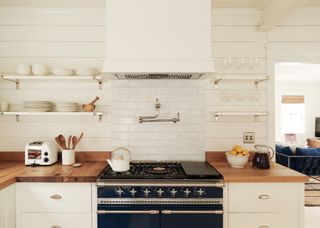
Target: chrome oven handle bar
(150, 212)
(159, 184)
(170, 212)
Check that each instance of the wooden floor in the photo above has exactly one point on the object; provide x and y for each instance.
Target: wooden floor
(312, 215)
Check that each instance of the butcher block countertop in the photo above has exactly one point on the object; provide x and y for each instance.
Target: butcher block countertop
(16, 171)
(276, 173)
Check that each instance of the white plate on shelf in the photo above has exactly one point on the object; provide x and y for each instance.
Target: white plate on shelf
(37, 109)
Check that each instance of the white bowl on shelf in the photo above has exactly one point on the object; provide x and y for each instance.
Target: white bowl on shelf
(23, 69)
(237, 161)
(39, 69)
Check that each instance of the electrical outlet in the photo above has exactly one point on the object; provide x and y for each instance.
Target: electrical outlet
(248, 137)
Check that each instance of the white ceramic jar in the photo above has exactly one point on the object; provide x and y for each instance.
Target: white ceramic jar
(68, 157)
(39, 69)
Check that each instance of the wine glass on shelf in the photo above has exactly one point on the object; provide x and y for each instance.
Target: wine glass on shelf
(257, 97)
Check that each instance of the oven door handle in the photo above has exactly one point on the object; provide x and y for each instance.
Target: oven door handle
(169, 212)
(150, 212)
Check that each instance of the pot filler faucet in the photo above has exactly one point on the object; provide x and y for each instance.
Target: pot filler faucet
(144, 119)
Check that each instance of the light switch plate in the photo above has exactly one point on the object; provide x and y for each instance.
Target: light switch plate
(248, 137)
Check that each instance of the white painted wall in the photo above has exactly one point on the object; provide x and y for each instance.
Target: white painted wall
(312, 94)
(72, 37)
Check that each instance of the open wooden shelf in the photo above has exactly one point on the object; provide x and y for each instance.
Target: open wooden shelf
(255, 80)
(18, 114)
(255, 114)
(17, 79)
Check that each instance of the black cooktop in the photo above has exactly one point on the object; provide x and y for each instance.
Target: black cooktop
(164, 170)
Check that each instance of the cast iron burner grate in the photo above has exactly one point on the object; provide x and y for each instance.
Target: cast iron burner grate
(145, 170)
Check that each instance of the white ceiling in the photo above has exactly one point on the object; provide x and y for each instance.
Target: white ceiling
(253, 3)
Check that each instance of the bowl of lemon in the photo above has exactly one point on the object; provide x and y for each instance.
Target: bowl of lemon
(238, 156)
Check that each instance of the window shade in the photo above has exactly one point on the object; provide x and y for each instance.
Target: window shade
(292, 99)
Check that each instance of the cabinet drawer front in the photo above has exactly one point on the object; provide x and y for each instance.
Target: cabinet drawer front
(264, 197)
(263, 220)
(53, 197)
(40, 220)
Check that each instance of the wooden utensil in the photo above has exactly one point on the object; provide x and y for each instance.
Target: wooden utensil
(69, 142)
(80, 137)
(58, 141)
(94, 101)
(62, 141)
(74, 141)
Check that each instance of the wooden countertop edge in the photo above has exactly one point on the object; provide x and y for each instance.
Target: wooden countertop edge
(88, 174)
(6, 183)
(277, 173)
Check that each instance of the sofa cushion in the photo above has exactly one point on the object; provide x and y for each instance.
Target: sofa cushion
(309, 166)
(313, 143)
(282, 150)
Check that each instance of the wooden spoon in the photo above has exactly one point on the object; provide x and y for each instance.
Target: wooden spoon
(80, 137)
(58, 141)
(62, 141)
(94, 101)
(74, 142)
(69, 142)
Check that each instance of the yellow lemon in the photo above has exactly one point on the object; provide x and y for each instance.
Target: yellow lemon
(235, 147)
(245, 152)
(233, 152)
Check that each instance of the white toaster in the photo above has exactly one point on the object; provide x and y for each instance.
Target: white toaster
(41, 153)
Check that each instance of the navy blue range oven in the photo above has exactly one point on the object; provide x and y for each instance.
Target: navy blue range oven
(133, 205)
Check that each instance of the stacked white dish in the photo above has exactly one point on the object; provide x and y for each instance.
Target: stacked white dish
(37, 106)
(67, 107)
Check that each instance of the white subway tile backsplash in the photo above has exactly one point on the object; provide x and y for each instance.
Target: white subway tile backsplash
(159, 141)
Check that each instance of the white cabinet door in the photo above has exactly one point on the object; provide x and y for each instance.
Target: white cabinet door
(52, 220)
(2, 210)
(54, 197)
(264, 197)
(7, 207)
(263, 220)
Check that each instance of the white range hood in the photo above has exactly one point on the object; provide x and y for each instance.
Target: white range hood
(158, 39)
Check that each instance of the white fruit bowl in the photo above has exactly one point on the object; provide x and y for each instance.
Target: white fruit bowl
(237, 161)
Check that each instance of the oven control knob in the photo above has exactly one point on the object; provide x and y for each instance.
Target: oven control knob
(200, 192)
(173, 192)
(119, 191)
(160, 192)
(133, 192)
(146, 192)
(187, 192)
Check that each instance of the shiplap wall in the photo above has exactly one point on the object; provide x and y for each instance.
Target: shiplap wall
(73, 37)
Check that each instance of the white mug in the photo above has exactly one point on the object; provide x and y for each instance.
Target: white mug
(4, 106)
(39, 69)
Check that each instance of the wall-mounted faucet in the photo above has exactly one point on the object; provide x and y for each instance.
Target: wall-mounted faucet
(144, 119)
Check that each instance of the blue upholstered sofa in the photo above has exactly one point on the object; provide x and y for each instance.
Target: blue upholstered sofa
(304, 160)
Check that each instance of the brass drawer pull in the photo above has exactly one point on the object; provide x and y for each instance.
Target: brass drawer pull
(55, 226)
(264, 227)
(264, 197)
(55, 196)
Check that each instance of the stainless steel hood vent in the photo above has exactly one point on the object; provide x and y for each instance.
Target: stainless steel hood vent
(159, 76)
